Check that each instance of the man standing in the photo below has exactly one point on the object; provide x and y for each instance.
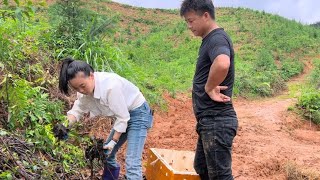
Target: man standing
(212, 91)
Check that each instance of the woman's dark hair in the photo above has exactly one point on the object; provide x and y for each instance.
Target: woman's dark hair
(68, 71)
(199, 6)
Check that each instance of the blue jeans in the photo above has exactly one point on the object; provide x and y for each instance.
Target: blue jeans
(140, 121)
(213, 153)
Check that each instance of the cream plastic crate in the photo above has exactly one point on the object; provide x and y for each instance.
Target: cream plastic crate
(169, 164)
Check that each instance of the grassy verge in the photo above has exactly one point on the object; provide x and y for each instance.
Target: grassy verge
(309, 101)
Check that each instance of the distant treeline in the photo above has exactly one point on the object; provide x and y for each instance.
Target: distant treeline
(316, 24)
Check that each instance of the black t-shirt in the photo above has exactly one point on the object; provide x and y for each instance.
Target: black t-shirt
(217, 42)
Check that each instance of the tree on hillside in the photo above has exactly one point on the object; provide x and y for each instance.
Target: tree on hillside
(73, 24)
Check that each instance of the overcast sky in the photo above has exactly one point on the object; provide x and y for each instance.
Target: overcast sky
(304, 11)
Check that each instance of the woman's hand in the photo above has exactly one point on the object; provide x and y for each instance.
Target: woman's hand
(72, 119)
(109, 146)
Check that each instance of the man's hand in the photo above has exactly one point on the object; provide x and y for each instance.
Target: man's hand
(216, 95)
(108, 147)
(60, 132)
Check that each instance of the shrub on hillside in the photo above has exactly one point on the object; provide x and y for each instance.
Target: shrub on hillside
(315, 75)
(73, 25)
(265, 61)
(32, 114)
(291, 67)
(29, 106)
(309, 103)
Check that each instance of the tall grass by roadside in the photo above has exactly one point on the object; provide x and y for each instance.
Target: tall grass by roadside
(309, 101)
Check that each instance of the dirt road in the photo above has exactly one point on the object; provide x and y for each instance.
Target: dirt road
(270, 137)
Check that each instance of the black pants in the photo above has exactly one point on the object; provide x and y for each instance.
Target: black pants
(213, 153)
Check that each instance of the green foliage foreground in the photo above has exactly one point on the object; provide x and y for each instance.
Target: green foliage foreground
(35, 152)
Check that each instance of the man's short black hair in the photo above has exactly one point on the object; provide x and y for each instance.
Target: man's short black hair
(199, 6)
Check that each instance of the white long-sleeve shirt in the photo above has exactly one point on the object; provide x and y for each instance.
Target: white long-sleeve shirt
(113, 96)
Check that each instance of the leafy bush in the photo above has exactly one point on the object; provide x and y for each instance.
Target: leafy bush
(315, 74)
(4, 48)
(17, 10)
(309, 103)
(30, 106)
(291, 67)
(10, 51)
(33, 114)
(265, 61)
(73, 25)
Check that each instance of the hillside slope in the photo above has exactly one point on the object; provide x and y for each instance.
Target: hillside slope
(269, 48)
(272, 142)
(154, 49)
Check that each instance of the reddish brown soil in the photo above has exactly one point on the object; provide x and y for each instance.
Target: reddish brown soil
(269, 136)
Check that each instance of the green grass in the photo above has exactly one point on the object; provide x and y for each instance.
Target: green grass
(309, 100)
(155, 50)
(268, 53)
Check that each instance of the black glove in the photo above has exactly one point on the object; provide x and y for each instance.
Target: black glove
(95, 150)
(60, 132)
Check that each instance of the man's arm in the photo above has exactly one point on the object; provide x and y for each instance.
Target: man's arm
(218, 72)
